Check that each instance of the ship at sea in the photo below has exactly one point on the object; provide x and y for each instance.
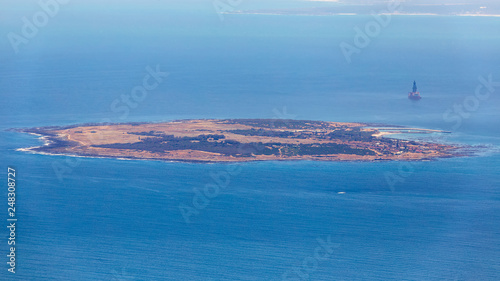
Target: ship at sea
(414, 95)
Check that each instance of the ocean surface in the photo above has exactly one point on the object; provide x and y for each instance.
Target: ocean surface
(110, 219)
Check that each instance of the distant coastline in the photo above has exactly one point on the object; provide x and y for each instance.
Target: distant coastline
(298, 13)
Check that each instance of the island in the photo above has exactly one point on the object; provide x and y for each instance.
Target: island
(238, 140)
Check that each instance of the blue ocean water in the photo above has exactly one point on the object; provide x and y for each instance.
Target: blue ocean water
(108, 219)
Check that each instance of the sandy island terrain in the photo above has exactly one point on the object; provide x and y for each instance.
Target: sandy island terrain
(236, 140)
